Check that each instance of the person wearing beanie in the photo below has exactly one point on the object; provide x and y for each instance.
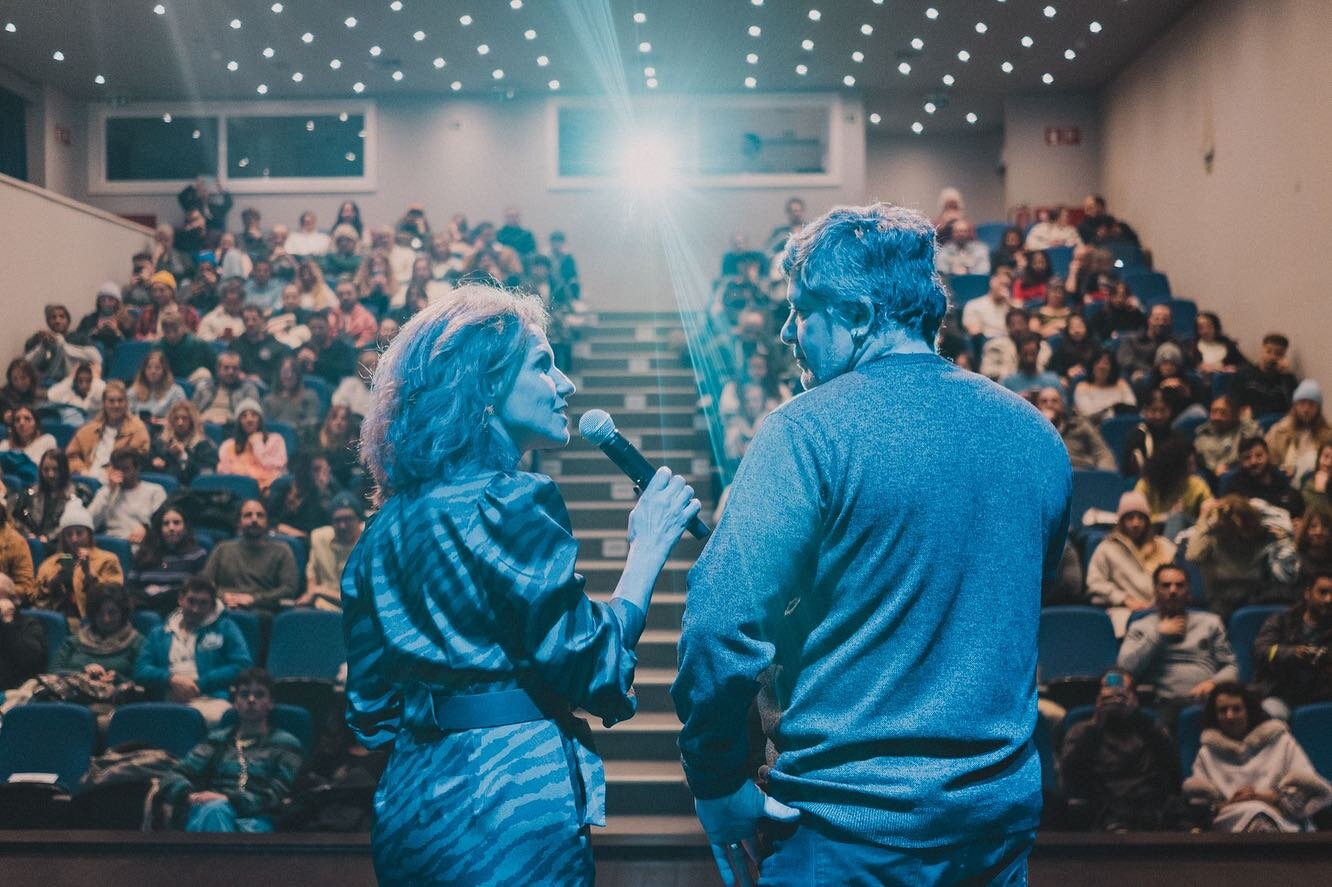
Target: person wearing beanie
(1119, 576)
(1296, 439)
(251, 450)
(162, 286)
(1137, 352)
(1184, 391)
(343, 259)
(64, 578)
(329, 549)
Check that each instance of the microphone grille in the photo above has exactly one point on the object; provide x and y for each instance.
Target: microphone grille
(597, 426)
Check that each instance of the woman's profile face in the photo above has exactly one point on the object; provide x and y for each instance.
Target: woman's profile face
(534, 414)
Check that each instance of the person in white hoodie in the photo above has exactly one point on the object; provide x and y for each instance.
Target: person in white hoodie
(1119, 575)
(1250, 771)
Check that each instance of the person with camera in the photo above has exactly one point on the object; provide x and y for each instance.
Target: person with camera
(64, 578)
(1290, 654)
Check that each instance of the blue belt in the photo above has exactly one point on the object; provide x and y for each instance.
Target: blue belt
(498, 708)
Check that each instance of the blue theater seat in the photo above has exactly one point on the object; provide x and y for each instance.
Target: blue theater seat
(1075, 642)
(1311, 725)
(166, 725)
(966, 287)
(54, 626)
(48, 737)
(1245, 623)
(1093, 488)
(306, 644)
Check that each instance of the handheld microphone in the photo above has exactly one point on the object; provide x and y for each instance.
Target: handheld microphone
(599, 428)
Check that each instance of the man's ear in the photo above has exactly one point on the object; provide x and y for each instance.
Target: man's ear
(858, 315)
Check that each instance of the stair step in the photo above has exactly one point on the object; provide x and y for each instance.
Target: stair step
(656, 361)
(657, 648)
(610, 543)
(679, 829)
(621, 379)
(653, 686)
(648, 736)
(673, 418)
(594, 488)
(582, 461)
(647, 787)
(671, 344)
(662, 396)
(668, 602)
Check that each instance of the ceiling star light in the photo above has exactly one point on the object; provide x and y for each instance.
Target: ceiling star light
(917, 127)
(483, 49)
(1028, 42)
(1094, 27)
(335, 63)
(358, 86)
(464, 20)
(419, 36)
(58, 56)
(235, 24)
(849, 80)
(166, 118)
(876, 119)
(268, 52)
(963, 55)
(396, 6)
(439, 63)
(530, 34)
(867, 29)
(802, 70)
(645, 47)
(1006, 67)
(857, 56)
(455, 85)
(9, 26)
(755, 31)
(515, 4)
(375, 50)
(981, 27)
(498, 73)
(276, 7)
(751, 82)
(949, 80)
(649, 71)
(651, 83)
(542, 61)
(930, 108)
(262, 89)
(752, 58)
(931, 13)
(297, 77)
(1070, 54)
(309, 126)
(350, 21)
(397, 75)
(307, 37)
(351, 157)
(815, 15)
(1050, 11)
(971, 117)
(99, 80)
(904, 67)
(640, 17)
(159, 9)
(342, 117)
(1047, 79)
(554, 85)
(233, 65)
(196, 134)
(917, 44)
(807, 45)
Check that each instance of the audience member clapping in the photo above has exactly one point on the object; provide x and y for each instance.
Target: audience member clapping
(1250, 773)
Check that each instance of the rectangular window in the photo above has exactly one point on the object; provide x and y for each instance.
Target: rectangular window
(251, 148)
(317, 146)
(142, 149)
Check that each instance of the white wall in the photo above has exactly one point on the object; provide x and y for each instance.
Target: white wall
(477, 157)
(55, 250)
(1041, 174)
(1249, 237)
(912, 170)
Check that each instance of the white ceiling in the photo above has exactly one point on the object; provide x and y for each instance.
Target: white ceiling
(589, 47)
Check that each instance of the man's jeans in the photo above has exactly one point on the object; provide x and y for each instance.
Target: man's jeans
(218, 816)
(808, 858)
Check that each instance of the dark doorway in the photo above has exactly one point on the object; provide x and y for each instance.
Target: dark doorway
(13, 136)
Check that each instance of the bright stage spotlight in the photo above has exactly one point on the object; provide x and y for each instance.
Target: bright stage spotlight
(648, 162)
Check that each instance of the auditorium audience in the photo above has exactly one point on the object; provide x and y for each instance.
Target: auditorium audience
(154, 389)
(37, 509)
(193, 657)
(1315, 490)
(15, 557)
(330, 546)
(21, 389)
(999, 355)
(252, 571)
(987, 316)
(1077, 350)
(51, 354)
(22, 640)
(353, 392)
(351, 319)
(1121, 315)
(219, 400)
(1265, 388)
(303, 505)
(1120, 573)
(1086, 448)
(225, 322)
(168, 555)
(189, 357)
(963, 253)
(1250, 772)
(1291, 661)
(251, 450)
(1217, 440)
(1295, 440)
(114, 428)
(1258, 478)
(325, 355)
(314, 290)
(289, 401)
(1151, 433)
(182, 449)
(1137, 351)
(307, 239)
(1245, 550)
(263, 290)
(1103, 393)
(124, 506)
(1027, 376)
(238, 778)
(258, 350)
(105, 647)
(163, 290)
(1054, 229)
(26, 436)
(1174, 493)
(1184, 654)
(1052, 316)
(1211, 351)
(63, 579)
(1313, 541)
(81, 392)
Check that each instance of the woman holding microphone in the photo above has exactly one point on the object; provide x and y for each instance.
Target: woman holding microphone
(470, 640)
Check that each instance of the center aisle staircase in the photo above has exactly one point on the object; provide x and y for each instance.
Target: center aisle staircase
(629, 364)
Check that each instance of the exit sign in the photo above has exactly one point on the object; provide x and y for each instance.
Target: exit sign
(1063, 135)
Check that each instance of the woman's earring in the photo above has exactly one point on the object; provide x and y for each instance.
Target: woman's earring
(486, 414)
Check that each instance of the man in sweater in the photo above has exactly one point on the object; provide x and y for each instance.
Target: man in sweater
(1119, 575)
(858, 604)
(1086, 447)
(124, 506)
(1183, 654)
(1217, 440)
(252, 571)
(219, 401)
(1258, 478)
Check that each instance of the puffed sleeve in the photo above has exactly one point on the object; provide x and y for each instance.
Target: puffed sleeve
(524, 553)
(374, 704)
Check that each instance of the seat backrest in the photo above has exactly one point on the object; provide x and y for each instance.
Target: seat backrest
(54, 627)
(966, 287)
(1075, 641)
(1311, 725)
(292, 718)
(62, 433)
(1184, 318)
(145, 621)
(1151, 287)
(1243, 628)
(1126, 256)
(991, 234)
(167, 482)
(126, 359)
(47, 737)
(244, 487)
(1115, 431)
(1060, 258)
(248, 623)
(1188, 737)
(289, 436)
(306, 644)
(166, 725)
(1094, 488)
(1267, 420)
(322, 390)
(119, 547)
(299, 553)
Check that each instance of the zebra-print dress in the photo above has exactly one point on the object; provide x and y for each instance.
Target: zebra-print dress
(470, 587)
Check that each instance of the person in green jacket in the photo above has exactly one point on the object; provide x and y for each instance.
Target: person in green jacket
(105, 647)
